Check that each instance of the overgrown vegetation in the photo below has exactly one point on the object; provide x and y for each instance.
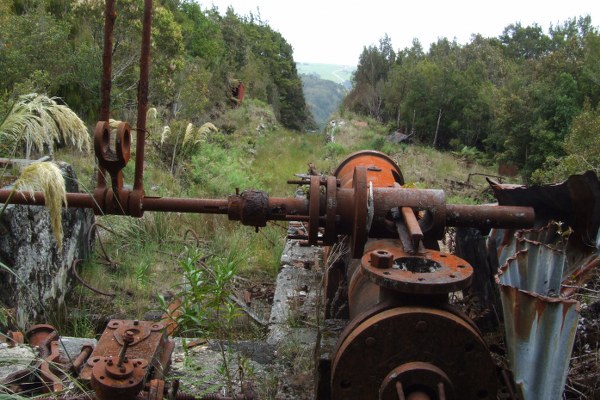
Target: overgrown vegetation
(515, 97)
(525, 98)
(55, 47)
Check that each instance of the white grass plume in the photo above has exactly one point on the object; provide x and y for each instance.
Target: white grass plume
(47, 178)
(166, 132)
(39, 121)
(195, 136)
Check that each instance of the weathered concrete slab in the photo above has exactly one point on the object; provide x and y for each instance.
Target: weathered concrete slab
(13, 359)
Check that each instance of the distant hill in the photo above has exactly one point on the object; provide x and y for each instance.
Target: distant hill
(341, 74)
(323, 96)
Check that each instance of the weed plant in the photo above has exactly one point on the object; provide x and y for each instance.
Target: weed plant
(207, 309)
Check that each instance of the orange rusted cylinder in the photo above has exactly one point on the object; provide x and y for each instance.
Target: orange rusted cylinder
(382, 171)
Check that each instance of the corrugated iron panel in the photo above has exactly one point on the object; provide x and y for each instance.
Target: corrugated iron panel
(540, 322)
(540, 326)
(534, 267)
(540, 332)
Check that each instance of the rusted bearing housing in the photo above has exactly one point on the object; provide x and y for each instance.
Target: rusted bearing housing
(361, 172)
(404, 336)
(431, 272)
(420, 347)
(113, 381)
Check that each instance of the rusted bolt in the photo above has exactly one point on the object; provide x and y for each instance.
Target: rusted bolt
(110, 361)
(382, 259)
(136, 322)
(127, 340)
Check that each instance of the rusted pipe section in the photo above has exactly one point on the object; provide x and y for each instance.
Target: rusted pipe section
(105, 85)
(489, 216)
(86, 350)
(37, 335)
(138, 184)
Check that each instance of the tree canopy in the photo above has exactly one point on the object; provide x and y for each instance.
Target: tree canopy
(514, 97)
(55, 47)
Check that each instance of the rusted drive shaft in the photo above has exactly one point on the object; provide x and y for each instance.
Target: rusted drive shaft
(255, 208)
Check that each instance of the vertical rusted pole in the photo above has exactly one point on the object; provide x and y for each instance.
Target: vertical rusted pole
(138, 183)
(109, 22)
(106, 82)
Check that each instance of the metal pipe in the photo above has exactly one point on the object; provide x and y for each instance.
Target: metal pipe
(489, 216)
(106, 83)
(138, 183)
(178, 204)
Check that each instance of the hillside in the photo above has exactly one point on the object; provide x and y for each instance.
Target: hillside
(341, 74)
(322, 96)
(199, 57)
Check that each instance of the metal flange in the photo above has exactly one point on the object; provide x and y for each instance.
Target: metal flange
(431, 272)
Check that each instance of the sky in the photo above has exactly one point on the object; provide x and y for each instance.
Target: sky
(336, 31)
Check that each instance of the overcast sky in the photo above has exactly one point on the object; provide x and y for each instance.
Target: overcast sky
(335, 31)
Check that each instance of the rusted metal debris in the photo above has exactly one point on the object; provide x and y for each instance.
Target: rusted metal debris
(47, 373)
(540, 318)
(403, 339)
(398, 301)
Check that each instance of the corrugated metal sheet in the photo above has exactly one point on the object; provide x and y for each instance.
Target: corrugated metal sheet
(539, 260)
(539, 325)
(540, 321)
(539, 334)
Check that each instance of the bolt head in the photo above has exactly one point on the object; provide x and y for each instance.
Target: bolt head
(382, 259)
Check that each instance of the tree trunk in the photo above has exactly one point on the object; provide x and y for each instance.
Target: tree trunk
(437, 128)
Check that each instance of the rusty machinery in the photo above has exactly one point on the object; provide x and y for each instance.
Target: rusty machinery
(403, 340)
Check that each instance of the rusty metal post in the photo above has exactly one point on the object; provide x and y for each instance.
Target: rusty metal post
(138, 184)
(105, 86)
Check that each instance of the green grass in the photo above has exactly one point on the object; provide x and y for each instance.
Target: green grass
(252, 150)
(332, 72)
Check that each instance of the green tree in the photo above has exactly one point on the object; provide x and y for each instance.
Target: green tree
(369, 79)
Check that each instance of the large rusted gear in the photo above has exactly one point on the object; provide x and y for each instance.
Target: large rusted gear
(420, 347)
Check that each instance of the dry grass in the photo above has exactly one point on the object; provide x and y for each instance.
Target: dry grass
(47, 178)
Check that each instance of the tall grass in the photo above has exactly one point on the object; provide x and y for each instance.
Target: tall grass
(39, 122)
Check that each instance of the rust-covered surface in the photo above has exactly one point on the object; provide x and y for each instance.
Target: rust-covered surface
(539, 316)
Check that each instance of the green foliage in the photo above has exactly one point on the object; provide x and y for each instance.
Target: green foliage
(56, 47)
(205, 294)
(582, 147)
(471, 155)
(514, 97)
(334, 149)
(219, 169)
